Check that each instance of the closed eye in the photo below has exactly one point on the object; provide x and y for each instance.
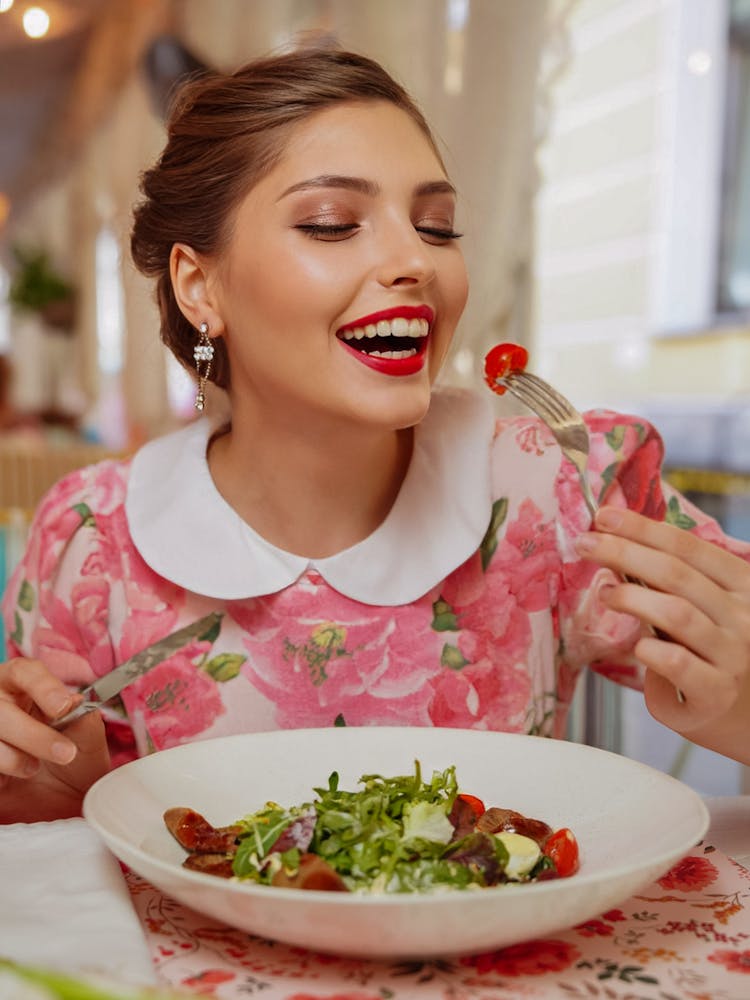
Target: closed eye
(319, 231)
(439, 235)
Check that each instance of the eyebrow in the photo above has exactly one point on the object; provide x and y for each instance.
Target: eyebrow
(364, 186)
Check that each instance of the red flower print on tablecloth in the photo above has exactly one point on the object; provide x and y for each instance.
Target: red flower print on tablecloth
(205, 983)
(691, 874)
(334, 996)
(595, 928)
(531, 958)
(602, 926)
(734, 961)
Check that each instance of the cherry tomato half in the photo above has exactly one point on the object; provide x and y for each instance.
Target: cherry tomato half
(562, 847)
(476, 805)
(501, 359)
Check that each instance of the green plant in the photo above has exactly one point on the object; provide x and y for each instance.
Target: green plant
(36, 284)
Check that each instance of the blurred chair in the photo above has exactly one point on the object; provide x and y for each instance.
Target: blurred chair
(27, 471)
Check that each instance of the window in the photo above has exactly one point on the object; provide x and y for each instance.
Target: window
(109, 303)
(733, 291)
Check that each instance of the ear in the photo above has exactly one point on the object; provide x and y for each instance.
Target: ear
(191, 281)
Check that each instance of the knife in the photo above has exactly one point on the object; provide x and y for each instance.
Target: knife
(116, 680)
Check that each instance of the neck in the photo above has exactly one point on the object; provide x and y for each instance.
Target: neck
(310, 489)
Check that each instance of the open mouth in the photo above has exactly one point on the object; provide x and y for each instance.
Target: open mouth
(395, 339)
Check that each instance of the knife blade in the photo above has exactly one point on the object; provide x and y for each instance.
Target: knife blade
(117, 680)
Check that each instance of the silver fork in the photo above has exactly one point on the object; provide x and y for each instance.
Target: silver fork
(570, 432)
(562, 418)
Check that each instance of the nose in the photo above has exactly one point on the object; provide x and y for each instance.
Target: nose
(405, 259)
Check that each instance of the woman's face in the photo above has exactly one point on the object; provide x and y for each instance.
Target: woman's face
(342, 282)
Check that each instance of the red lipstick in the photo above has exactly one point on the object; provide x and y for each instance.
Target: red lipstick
(391, 366)
(408, 312)
(365, 350)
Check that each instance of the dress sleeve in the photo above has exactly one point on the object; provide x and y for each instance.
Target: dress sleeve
(625, 466)
(56, 605)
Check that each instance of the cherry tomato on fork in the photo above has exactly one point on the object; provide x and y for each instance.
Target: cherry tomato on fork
(562, 847)
(501, 359)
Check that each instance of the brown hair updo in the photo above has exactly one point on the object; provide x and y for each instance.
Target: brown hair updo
(225, 132)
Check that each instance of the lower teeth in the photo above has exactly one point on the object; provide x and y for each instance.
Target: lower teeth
(393, 354)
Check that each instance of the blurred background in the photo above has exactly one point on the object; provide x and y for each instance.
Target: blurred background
(602, 153)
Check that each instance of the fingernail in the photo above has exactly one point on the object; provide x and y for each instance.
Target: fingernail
(586, 543)
(63, 752)
(58, 704)
(609, 517)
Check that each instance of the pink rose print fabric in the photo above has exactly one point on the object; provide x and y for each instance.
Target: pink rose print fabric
(684, 937)
(497, 644)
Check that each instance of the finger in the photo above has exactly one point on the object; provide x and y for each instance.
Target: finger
(92, 759)
(708, 693)
(679, 619)
(663, 572)
(25, 741)
(706, 557)
(31, 680)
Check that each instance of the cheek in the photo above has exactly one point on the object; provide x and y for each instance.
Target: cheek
(462, 285)
(455, 289)
(280, 284)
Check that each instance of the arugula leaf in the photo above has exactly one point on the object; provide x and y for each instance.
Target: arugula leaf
(394, 834)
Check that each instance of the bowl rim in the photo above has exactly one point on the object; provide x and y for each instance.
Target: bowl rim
(444, 897)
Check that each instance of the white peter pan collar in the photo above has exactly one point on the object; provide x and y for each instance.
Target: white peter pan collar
(186, 532)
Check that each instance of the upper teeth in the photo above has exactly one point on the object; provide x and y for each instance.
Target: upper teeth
(398, 327)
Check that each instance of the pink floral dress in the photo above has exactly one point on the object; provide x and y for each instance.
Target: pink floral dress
(468, 607)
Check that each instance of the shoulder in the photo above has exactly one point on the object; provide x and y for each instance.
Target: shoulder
(82, 494)
(72, 519)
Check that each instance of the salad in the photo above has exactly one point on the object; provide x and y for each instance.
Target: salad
(394, 834)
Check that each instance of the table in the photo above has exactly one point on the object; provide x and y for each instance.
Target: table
(686, 936)
(730, 826)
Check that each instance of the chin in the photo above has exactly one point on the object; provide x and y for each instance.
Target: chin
(408, 410)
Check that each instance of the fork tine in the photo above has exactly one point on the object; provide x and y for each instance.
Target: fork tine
(565, 422)
(562, 406)
(535, 397)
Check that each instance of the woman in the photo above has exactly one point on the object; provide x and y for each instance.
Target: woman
(381, 551)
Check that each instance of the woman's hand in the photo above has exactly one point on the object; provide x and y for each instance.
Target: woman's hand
(700, 596)
(44, 773)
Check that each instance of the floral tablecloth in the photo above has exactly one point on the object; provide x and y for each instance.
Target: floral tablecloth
(686, 937)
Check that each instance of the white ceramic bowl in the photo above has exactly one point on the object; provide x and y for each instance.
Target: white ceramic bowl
(632, 823)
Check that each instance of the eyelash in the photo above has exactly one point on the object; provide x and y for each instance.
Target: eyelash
(317, 231)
